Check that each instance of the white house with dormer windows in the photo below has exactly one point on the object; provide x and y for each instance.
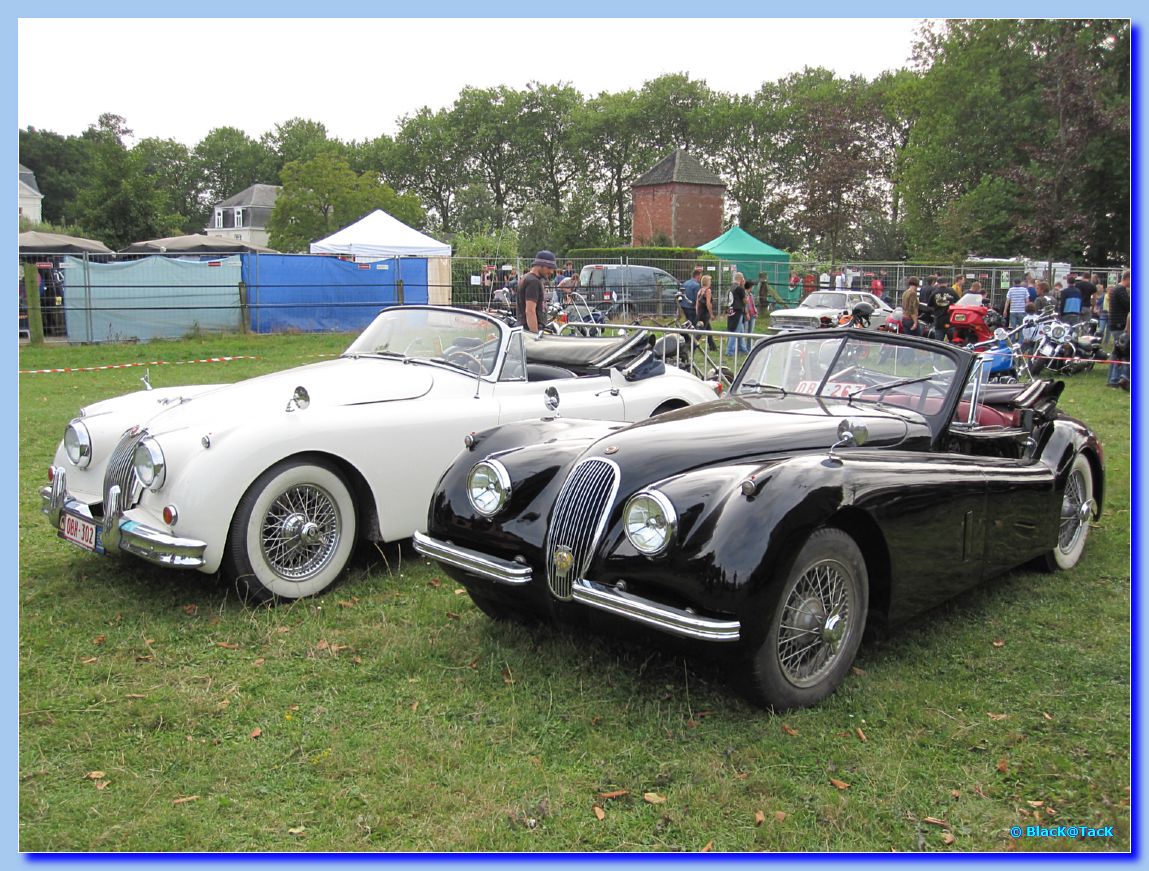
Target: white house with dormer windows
(244, 217)
(31, 200)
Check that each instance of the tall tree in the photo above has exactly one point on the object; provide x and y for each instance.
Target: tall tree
(297, 140)
(172, 169)
(323, 195)
(550, 161)
(486, 123)
(231, 161)
(60, 164)
(428, 160)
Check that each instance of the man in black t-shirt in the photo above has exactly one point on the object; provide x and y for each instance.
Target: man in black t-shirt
(940, 301)
(532, 303)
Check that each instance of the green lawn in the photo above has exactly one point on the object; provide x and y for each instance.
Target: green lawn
(157, 712)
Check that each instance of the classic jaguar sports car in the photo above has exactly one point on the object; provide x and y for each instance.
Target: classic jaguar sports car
(848, 476)
(274, 479)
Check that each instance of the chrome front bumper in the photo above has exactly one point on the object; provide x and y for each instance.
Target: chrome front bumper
(119, 534)
(676, 621)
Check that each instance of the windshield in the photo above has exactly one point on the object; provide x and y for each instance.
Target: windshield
(459, 339)
(824, 300)
(850, 367)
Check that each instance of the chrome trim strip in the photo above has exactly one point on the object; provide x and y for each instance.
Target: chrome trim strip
(673, 620)
(489, 567)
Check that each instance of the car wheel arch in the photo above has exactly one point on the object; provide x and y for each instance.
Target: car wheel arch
(871, 541)
(360, 490)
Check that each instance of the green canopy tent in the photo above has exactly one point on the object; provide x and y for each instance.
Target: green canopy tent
(752, 257)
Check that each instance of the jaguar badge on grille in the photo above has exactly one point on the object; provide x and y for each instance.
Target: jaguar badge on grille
(563, 560)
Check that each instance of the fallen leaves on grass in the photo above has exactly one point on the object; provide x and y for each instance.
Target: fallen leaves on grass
(435, 582)
(348, 603)
(90, 660)
(184, 799)
(258, 662)
(190, 609)
(227, 645)
(999, 642)
(100, 639)
(709, 846)
(95, 775)
(298, 830)
(934, 821)
(996, 717)
(256, 732)
(839, 784)
(614, 793)
(599, 813)
(789, 730)
(1003, 765)
(780, 816)
(947, 838)
(653, 798)
(759, 818)
(861, 735)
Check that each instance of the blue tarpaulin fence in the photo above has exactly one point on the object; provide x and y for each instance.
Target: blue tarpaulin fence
(313, 294)
(167, 297)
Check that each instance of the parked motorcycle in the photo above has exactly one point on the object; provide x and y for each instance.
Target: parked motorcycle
(1065, 348)
(579, 311)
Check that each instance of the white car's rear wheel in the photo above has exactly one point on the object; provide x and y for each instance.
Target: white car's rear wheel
(293, 532)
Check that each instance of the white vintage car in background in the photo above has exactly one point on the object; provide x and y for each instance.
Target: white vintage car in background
(823, 308)
(273, 480)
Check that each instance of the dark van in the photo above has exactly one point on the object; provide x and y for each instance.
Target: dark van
(631, 291)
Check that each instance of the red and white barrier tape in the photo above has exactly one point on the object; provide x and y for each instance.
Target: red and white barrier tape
(131, 365)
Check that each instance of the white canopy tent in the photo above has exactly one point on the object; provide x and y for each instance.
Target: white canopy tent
(379, 236)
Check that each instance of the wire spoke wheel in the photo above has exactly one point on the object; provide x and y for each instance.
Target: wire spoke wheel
(814, 626)
(293, 532)
(815, 620)
(300, 532)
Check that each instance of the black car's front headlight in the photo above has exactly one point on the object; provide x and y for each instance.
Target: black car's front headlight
(650, 521)
(488, 487)
(148, 463)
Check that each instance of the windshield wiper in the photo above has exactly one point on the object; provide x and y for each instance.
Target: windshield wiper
(882, 388)
(762, 386)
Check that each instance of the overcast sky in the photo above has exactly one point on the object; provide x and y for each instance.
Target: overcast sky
(181, 78)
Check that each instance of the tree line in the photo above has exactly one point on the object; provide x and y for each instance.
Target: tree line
(1001, 137)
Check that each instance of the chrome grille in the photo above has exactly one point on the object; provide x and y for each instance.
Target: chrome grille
(577, 523)
(120, 471)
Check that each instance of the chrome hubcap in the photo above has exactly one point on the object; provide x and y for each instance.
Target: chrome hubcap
(815, 622)
(300, 532)
(1076, 509)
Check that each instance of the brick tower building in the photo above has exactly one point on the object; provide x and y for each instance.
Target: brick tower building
(679, 198)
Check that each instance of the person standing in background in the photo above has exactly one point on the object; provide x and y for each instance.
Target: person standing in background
(532, 301)
(1015, 300)
(704, 309)
(1120, 322)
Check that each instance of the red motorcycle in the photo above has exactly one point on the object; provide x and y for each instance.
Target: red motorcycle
(970, 324)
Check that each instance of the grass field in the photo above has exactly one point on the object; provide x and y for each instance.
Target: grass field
(159, 713)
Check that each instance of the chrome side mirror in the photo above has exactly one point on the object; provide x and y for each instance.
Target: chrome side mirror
(851, 434)
(299, 399)
(551, 399)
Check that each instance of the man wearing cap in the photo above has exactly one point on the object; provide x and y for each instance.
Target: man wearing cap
(532, 304)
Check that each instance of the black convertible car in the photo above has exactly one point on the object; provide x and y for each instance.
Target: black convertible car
(848, 476)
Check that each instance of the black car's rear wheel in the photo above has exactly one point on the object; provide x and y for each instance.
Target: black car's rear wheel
(816, 624)
(1076, 513)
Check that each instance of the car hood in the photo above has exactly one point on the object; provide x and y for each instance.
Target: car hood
(745, 429)
(346, 381)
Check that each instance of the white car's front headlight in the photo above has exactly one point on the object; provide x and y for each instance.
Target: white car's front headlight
(488, 487)
(148, 463)
(649, 520)
(78, 444)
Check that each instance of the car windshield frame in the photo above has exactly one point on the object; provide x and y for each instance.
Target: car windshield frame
(860, 368)
(448, 338)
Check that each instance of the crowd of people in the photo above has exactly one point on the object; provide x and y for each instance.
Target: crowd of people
(922, 309)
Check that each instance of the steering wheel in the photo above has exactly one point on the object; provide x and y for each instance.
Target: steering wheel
(470, 362)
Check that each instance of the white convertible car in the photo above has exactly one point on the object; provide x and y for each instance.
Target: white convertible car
(273, 480)
(823, 308)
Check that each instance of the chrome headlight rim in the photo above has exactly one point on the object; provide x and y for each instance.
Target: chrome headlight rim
(148, 463)
(78, 449)
(498, 482)
(667, 523)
